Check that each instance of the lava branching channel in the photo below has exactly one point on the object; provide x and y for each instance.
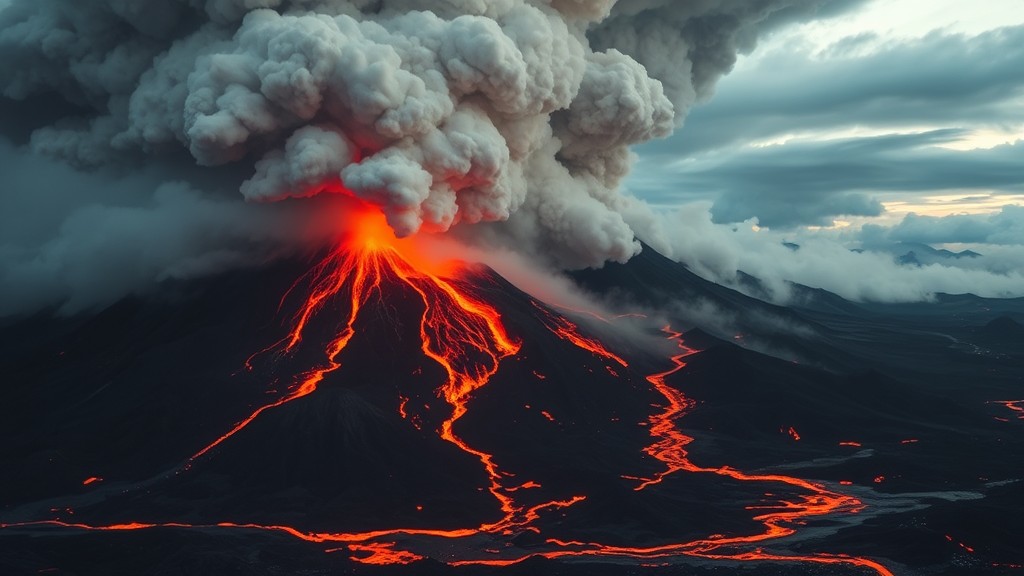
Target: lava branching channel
(466, 337)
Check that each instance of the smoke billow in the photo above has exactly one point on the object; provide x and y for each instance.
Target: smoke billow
(823, 260)
(514, 114)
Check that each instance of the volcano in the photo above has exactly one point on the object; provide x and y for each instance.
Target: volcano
(396, 414)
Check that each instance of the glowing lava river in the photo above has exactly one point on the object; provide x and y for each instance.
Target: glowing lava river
(465, 336)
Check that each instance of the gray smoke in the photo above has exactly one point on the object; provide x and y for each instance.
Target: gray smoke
(510, 120)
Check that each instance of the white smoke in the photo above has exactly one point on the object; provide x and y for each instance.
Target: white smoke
(448, 113)
(777, 259)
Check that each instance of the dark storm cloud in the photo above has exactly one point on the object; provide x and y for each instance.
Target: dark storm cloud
(950, 80)
(775, 143)
(689, 46)
(811, 182)
(957, 82)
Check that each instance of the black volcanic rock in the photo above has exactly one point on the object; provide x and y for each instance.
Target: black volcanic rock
(701, 340)
(652, 281)
(1004, 327)
(809, 299)
(127, 392)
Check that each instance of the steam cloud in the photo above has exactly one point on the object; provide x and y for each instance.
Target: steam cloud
(514, 114)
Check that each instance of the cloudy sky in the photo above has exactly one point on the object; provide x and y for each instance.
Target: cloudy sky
(147, 141)
(899, 122)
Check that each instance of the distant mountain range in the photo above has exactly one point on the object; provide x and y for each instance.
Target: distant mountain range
(918, 254)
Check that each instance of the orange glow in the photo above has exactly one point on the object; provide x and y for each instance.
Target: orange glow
(460, 332)
(456, 328)
(778, 520)
(960, 544)
(1017, 406)
(465, 336)
(669, 447)
(567, 330)
(91, 480)
(382, 554)
(583, 312)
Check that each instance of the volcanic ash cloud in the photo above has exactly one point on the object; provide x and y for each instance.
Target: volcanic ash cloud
(517, 114)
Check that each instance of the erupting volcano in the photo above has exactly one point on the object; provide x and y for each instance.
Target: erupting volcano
(364, 287)
(470, 326)
(461, 333)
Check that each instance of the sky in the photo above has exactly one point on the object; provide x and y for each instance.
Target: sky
(898, 122)
(814, 142)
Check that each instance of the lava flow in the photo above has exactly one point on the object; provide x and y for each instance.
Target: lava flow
(461, 333)
(466, 338)
(670, 449)
(1017, 406)
(566, 330)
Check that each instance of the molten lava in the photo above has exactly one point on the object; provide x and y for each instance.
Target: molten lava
(460, 332)
(465, 336)
(567, 330)
(779, 519)
(1016, 406)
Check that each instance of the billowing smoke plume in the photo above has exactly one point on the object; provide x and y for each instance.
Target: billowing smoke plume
(518, 114)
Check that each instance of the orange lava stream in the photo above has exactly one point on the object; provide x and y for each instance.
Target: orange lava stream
(469, 346)
(384, 554)
(567, 330)
(1015, 405)
(465, 336)
(670, 448)
(328, 280)
(379, 553)
(461, 333)
(582, 549)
